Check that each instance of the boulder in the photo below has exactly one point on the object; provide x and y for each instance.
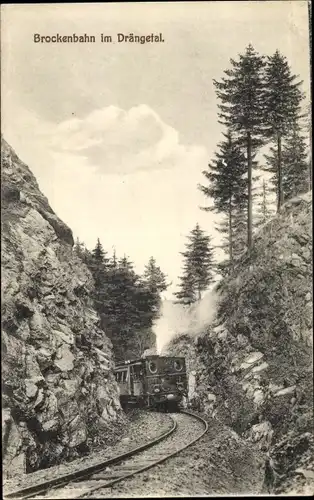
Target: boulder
(65, 358)
(31, 389)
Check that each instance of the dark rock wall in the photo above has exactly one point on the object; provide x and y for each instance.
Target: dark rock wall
(59, 392)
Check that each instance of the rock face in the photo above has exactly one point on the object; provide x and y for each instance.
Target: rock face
(254, 363)
(59, 392)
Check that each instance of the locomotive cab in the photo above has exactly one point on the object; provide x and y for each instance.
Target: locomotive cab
(156, 382)
(166, 381)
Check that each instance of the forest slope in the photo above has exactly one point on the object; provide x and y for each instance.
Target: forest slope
(253, 364)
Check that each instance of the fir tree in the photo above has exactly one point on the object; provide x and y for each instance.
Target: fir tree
(186, 294)
(282, 101)
(98, 270)
(295, 164)
(154, 277)
(124, 302)
(271, 167)
(239, 229)
(113, 262)
(227, 186)
(99, 255)
(241, 94)
(264, 211)
(198, 267)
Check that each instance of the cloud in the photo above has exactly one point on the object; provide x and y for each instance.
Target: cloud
(115, 141)
(147, 213)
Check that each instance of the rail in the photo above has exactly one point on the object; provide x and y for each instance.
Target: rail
(77, 477)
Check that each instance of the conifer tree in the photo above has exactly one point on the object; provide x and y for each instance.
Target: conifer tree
(126, 305)
(98, 267)
(186, 294)
(198, 266)
(239, 229)
(264, 211)
(154, 277)
(114, 261)
(99, 255)
(227, 186)
(241, 94)
(282, 107)
(295, 164)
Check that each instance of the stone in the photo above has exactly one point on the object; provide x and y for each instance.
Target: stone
(40, 398)
(274, 388)
(253, 357)
(43, 357)
(18, 465)
(260, 368)
(75, 423)
(242, 340)
(6, 415)
(308, 474)
(78, 437)
(244, 366)
(287, 390)
(258, 396)
(211, 397)
(261, 432)
(61, 338)
(223, 335)
(66, 358)
(70, 386)
(105, 415)
(111, 412)
(50, 425)
(31, 389)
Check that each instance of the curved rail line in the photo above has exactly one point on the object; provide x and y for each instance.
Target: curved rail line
(44, 486)
(107, 478)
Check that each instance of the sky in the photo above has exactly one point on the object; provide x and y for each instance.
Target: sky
(118, 134)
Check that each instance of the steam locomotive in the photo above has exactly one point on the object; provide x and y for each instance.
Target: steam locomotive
(155, 382)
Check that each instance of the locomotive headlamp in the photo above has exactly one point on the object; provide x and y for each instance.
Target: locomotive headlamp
(152, 367)
(178, 365)
(156, 388)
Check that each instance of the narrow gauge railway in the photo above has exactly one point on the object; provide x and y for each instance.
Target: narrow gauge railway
(90, 480)
(153, 382)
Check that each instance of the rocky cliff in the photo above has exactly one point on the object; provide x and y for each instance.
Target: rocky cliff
(252, 367)
(59, 393)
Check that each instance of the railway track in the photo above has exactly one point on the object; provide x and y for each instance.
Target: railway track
(83, 483)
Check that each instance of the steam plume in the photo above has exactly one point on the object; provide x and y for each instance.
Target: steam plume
(177, 319)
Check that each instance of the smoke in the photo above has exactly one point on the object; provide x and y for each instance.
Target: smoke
(177, 319)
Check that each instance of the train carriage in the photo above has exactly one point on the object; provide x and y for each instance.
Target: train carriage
(156, 382)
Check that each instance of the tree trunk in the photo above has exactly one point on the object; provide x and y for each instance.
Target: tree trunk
(230, 233)
(310, 164)
(249, 208)
(279, 170)
(311, 93)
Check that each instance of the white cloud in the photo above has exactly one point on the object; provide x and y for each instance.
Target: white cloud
(121, 142)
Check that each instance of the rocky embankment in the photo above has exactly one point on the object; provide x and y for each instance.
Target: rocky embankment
(252, 367)
(59, 393)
